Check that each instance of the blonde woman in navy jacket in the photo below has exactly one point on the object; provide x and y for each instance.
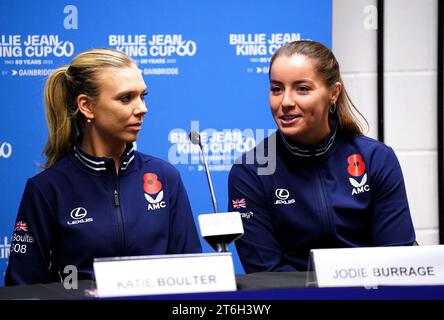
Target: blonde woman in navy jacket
(97, 196)
(330, 187)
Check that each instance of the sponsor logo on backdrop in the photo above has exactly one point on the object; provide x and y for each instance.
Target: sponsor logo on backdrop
(223, 148)
(155, 54)
(5, 150)
(259, 47)
(32, 54)
(5, 247)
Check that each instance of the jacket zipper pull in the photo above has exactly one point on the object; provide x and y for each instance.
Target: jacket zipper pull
(116, 198)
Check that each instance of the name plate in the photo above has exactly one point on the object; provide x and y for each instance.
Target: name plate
(371, 267)
(164, 274)
(223, 223)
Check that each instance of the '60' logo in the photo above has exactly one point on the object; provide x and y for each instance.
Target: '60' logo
(5, 150)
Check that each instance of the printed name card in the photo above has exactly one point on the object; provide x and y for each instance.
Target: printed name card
(164, 274)
(371, 267)
(221, 224)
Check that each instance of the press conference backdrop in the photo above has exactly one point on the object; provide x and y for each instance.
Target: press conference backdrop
(205, 64)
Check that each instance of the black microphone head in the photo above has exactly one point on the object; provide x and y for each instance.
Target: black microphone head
(195, 137)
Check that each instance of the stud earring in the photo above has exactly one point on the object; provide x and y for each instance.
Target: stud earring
(88, 120)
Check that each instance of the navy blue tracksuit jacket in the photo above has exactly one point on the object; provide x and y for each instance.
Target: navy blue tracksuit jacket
(80, 209)
(345, 192)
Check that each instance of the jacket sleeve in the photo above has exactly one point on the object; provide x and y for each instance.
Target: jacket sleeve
(258, 249)
(392, 222)
(183, 233)
(29, 258)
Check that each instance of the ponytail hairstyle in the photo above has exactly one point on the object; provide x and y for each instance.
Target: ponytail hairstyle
(328, 68)
(64, 85)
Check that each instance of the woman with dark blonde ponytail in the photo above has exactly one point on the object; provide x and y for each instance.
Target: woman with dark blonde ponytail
(97, 197)
(60, 140)
(330, 186)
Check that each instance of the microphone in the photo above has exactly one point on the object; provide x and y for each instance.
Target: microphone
(195, 139)
(218, 229)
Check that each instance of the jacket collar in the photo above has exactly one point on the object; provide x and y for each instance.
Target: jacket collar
(312, 151)
(102, 165)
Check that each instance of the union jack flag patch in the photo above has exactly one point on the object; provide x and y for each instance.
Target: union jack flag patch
(239, 203)
(21, 226)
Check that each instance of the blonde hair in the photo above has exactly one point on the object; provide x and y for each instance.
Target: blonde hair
(328, 68)
(62, 88)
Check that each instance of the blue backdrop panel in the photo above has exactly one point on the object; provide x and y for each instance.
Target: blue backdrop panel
(205, 64)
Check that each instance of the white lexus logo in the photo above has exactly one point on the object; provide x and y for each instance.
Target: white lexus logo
(78, 213)
(282, 194)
